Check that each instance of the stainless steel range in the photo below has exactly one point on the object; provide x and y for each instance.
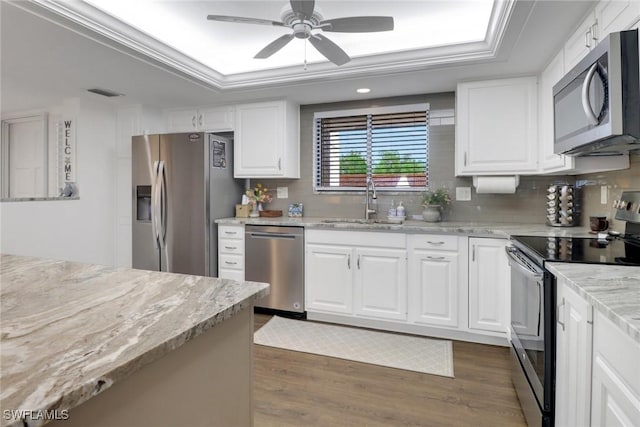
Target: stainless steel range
(533, 301)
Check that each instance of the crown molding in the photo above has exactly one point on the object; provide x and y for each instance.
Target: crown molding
(89, 21)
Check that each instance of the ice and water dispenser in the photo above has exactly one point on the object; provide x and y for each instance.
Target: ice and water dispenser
(143, 202)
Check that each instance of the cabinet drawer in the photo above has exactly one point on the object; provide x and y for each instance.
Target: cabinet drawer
(433, 241)
(231, 246)
(231, 262)
(231, 274)
(230, 232)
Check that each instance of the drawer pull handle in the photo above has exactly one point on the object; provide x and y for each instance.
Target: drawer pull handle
(231, 232)
(436, 258)
(231, 247)
(435, 243)
(230, 263)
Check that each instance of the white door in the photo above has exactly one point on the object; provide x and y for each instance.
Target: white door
(433, 287)
(26, 153)
(182, 120)
(329, 278)
(489, 278)
(381, 283)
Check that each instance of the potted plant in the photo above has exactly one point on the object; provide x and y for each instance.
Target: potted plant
(433, 202)
(257, 196)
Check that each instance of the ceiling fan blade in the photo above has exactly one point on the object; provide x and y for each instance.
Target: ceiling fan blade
(242, 20)
(303, 8)
(358, 24)
(329, 49)
(274, 46)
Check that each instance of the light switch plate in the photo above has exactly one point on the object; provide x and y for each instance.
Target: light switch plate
(603, 194)
(283, 192)
(463, 194)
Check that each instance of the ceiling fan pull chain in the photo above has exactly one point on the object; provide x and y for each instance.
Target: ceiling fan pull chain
(305, 54)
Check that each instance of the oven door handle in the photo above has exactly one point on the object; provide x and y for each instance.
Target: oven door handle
(528, 270)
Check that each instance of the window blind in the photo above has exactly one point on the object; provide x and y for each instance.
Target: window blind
(389, 148)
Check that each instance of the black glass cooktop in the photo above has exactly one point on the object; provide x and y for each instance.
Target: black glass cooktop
(583, 250)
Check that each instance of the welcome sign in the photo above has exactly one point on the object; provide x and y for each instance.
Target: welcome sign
(66, 129)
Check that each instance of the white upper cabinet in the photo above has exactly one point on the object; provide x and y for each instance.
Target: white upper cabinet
(617, 15)
(549, 161)
(607, 17)
(581, 41)
(216, 119)
(497, 127)
(267, 140)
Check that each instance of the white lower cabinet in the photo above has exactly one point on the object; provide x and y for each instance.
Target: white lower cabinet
(615, 396)
(356, 273)
(489, 290)
(231, 252)
(380, 283)
(573, 357)
(597, 375)
(328, 278)
(434, 276)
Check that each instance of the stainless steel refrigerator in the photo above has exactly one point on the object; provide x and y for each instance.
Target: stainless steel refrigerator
(182, 183)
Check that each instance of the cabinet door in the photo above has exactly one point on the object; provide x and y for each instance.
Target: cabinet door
(497, 127)
(219, 119)
(573, 358)
(580, 42)
(618, 15)
(433, 287)
(381, 283)
(182, 120)
(549, 161)
(489, 278)
(329, 278)
(616, 376)
(259, 140)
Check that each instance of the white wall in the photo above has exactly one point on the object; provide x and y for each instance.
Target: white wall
(77, 230)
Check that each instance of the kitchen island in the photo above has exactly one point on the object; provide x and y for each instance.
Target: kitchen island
(93, 345)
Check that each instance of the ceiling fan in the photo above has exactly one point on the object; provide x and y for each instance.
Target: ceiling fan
(302, 19)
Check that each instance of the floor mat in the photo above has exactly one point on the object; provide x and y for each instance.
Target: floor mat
(430, 356)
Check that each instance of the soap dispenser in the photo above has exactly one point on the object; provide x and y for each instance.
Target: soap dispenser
(392, 210)
(400, 210)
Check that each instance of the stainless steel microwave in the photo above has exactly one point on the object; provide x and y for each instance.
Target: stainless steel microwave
(596, 105)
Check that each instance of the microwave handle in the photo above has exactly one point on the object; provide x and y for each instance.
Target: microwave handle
(586, 101)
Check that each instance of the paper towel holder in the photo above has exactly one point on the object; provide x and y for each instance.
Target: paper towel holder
(496, 184)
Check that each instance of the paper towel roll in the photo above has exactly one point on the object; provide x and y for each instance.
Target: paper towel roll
(496, 184)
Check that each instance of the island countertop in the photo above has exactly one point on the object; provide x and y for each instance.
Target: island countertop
(71, 330)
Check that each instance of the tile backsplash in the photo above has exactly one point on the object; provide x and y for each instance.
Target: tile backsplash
(527, 205)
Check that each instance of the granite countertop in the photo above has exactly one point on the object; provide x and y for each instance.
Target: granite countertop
(613, 290)
(486, 229)
(71, 330)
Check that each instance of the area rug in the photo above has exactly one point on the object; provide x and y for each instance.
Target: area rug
(430, 356)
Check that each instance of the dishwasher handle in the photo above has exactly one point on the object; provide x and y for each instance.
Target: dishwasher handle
(263, 235)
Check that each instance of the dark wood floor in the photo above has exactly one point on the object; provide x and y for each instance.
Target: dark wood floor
(299, 389)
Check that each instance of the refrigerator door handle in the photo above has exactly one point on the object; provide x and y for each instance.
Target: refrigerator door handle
(162, 204)
(154, 205)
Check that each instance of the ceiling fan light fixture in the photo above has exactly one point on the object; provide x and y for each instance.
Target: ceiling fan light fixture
(363, 90)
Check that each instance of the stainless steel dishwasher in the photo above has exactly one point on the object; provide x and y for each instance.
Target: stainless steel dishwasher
(275, 255)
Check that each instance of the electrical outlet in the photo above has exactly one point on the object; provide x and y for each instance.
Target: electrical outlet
(603, 194)
(463, 194)
(283, 192)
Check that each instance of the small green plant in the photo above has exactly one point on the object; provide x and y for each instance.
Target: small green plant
(439, 197)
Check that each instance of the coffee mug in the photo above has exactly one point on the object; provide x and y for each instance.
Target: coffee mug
(598, 223)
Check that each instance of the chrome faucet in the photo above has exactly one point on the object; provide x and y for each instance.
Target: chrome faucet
(369, 196)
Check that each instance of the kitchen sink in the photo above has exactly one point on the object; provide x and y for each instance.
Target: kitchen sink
(356, 221)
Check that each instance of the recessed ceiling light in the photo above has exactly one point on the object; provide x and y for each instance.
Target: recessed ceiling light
(363, 90)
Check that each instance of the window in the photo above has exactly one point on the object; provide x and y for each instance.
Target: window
(389, 145)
